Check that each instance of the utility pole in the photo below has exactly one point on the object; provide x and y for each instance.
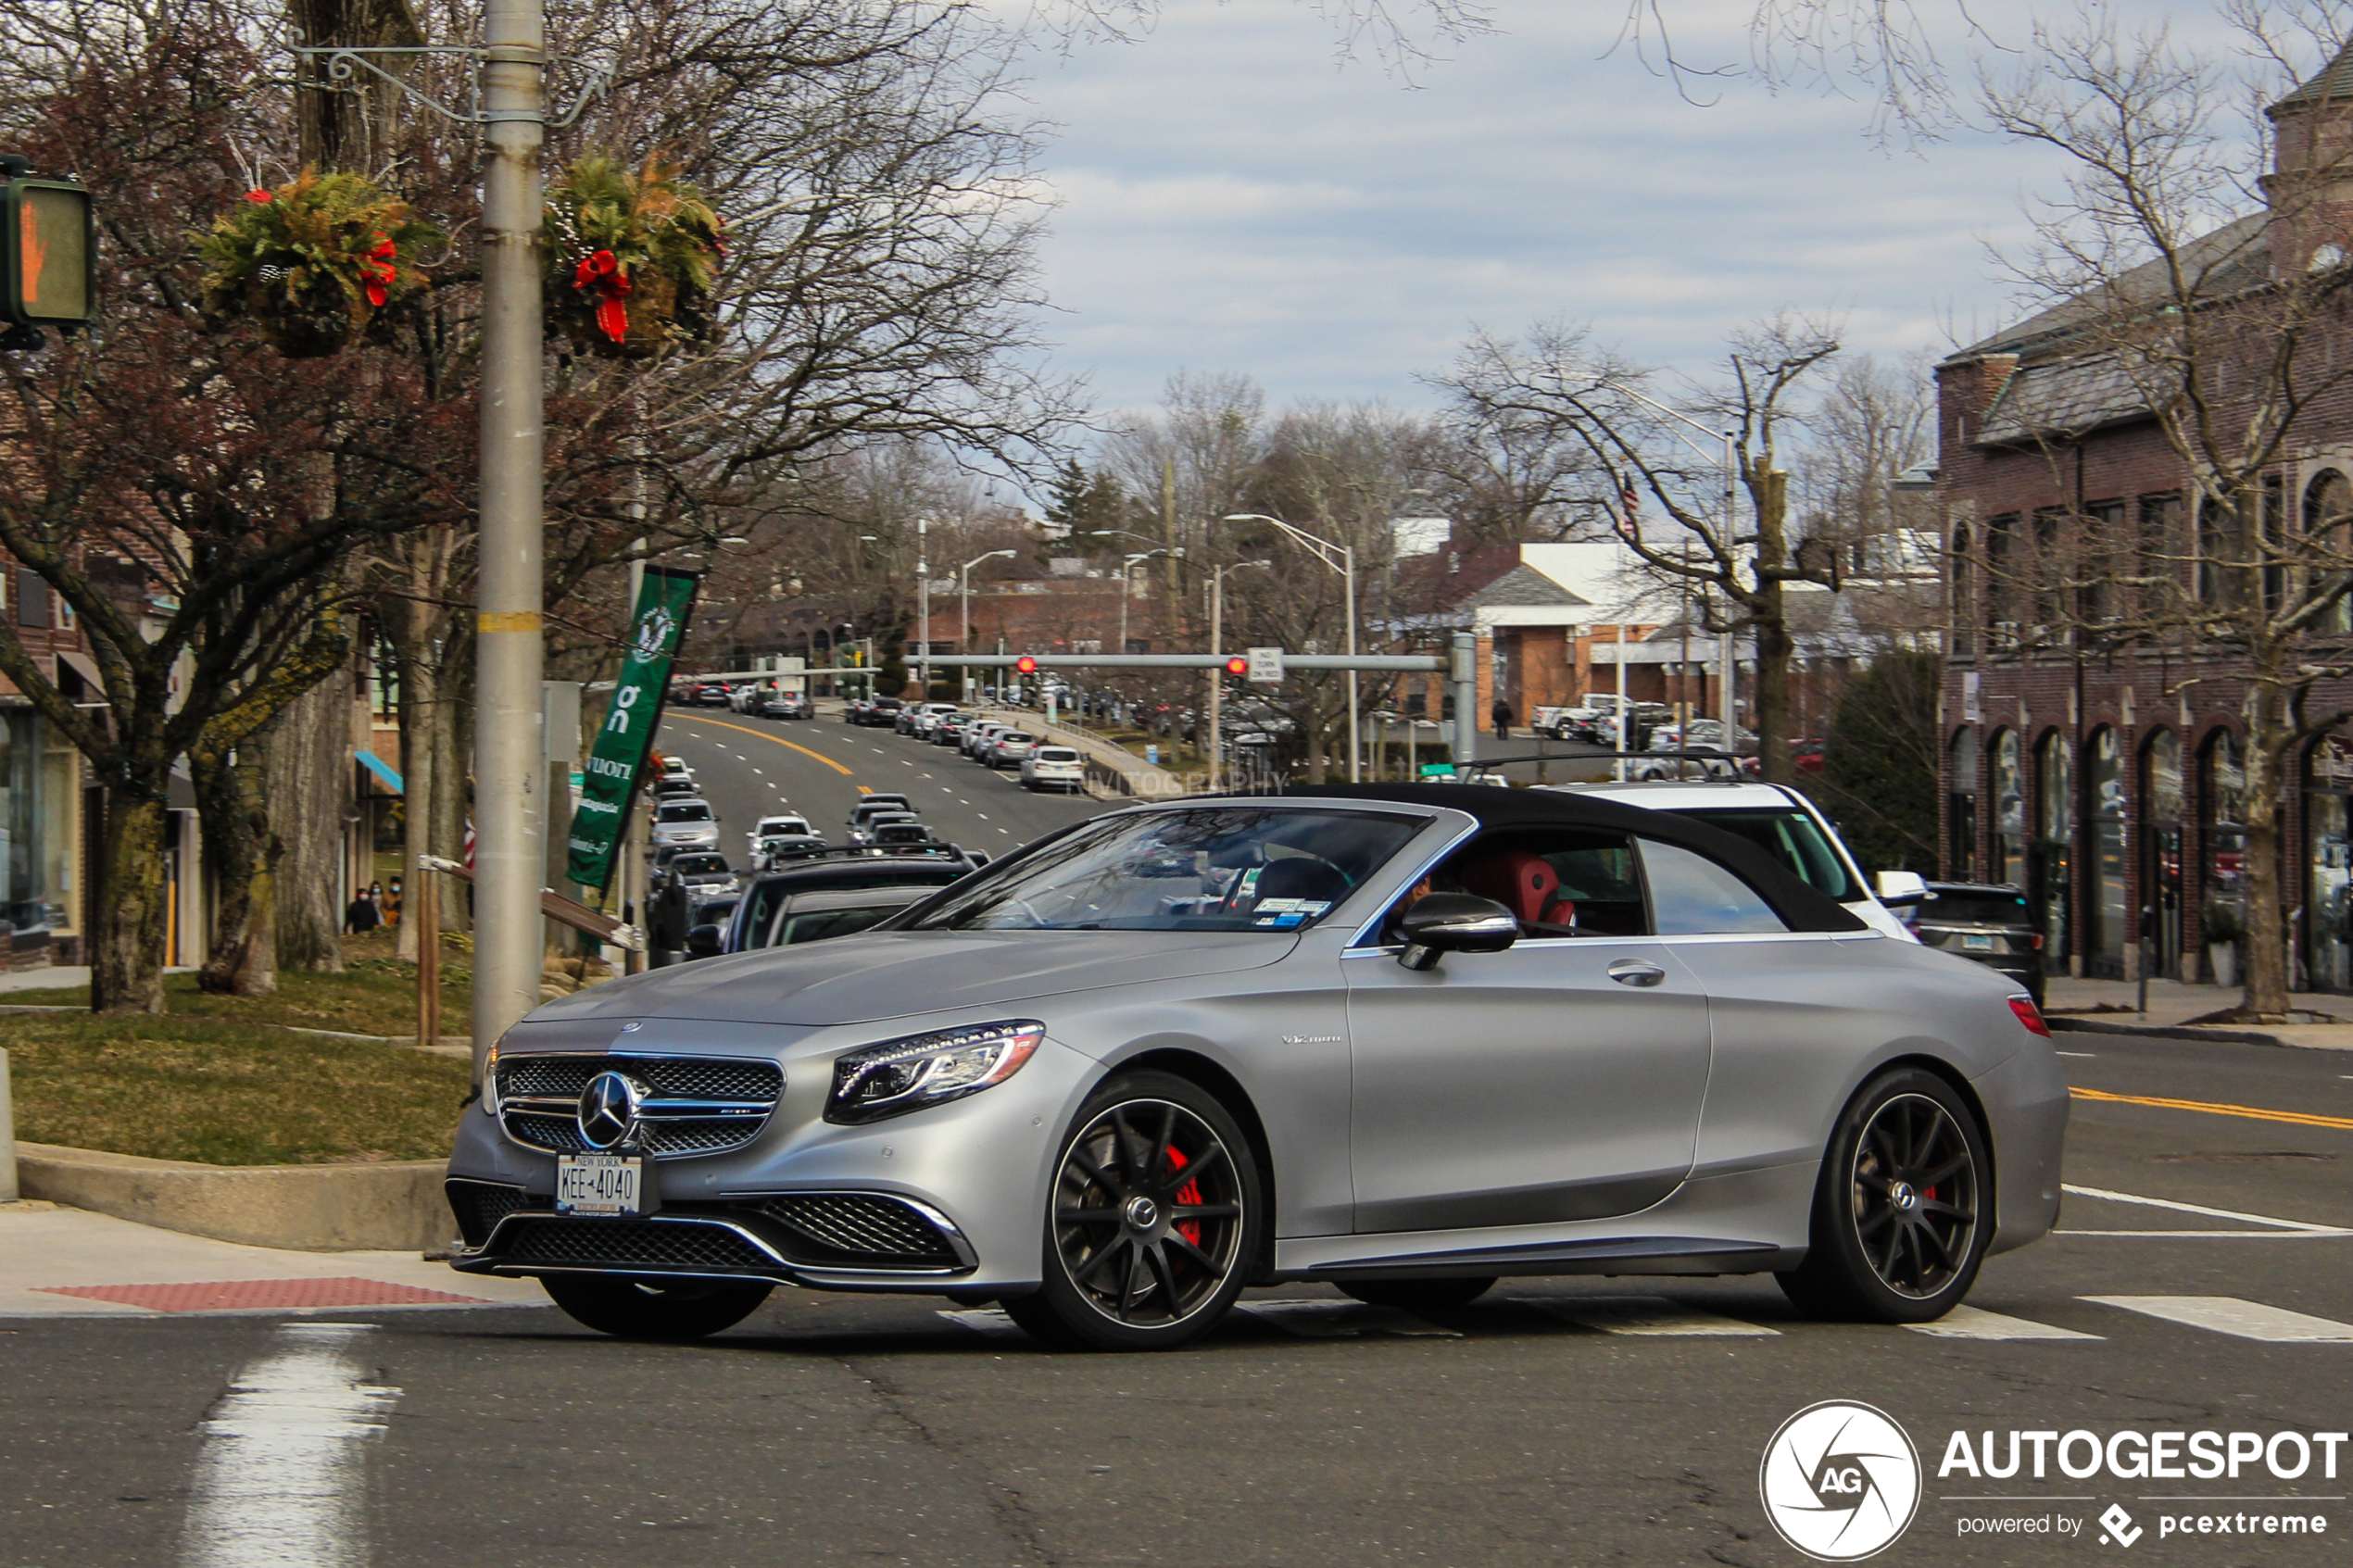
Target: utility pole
(1168, 542)
(923, 611)
(511, 810)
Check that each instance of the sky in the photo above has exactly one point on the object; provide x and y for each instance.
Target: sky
(1234, 199)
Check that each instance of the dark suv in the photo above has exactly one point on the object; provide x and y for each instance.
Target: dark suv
(1985, 923)
(850, 891)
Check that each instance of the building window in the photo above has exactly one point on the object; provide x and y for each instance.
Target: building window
(2050, 855)
(32, 598)
(2328, 840)
(36, 824)
(2328, 510)
(2104, 550)
(2274, 542)
(2007, 786)
(2001, 578)
(1964, 591)
(2161, 801)
(2222, 808)
(1960, 808)
(2160, 551)
(2109, 927)
(2049, 596)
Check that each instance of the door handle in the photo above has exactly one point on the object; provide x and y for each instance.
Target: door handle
(1636, 972)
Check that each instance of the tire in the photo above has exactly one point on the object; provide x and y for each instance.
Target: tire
(1901, 1212)
(634, 1309)
(1138, 1255)
(1419, 1295)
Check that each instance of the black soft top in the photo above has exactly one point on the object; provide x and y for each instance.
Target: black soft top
(1797, 901)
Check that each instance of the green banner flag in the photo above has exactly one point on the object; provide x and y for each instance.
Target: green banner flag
(626, 737)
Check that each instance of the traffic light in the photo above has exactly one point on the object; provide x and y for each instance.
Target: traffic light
(50, 243)
(1238, 665)
(1026, 665)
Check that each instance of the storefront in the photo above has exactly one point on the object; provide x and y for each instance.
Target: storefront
(2328, 861)
(2161, 806)
(1961, 808)
(40, 834)
(2050, 855)
(2008, 784)
(2222, 867)
(2108, 926)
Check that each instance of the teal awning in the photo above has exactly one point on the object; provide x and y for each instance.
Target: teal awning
(377, 766)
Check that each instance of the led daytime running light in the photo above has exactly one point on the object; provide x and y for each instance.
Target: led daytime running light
(923, 1069)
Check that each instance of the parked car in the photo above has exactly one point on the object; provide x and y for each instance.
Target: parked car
(677, 789)
(1805, 757)
(879, 713)
(710, 693)
(1703, 1081)
(1781, 821)
(787, 705)
(864, 833)
(781, 823)
(1701, 735)
(685, 821)
(977, 735)
(1987, 923)
(667, 766)
(915, 717)
(1595, 720)
(892, 834)
(1053, 767)
(950, 731)
(1008, 748)
(700, 869)
(850, 709)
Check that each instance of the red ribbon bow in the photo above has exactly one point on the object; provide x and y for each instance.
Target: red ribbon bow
(601, 279)
(378, 268)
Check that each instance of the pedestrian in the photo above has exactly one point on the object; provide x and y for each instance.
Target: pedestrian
(360, 918)
(1502, 714)
(392, 903)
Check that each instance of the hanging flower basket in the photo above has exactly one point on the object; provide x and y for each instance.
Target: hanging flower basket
(312, 262)
(631, 256)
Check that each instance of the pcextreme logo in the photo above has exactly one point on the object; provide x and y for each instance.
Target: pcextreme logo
(1840, 1481)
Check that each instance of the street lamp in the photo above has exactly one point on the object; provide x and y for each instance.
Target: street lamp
(1216, 672)
(964, 580)
(1342, 559)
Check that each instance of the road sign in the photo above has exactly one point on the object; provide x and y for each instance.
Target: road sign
(1438, 769)
(1267, 665)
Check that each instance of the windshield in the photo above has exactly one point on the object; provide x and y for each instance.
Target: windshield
(686, 812)
(1204, 869)
(1795, 839)
(699, 865)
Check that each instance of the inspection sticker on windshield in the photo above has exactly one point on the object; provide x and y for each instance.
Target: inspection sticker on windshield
(1291, 907)
(599, 1183)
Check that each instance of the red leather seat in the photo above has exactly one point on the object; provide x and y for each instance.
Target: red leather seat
(1521, 882)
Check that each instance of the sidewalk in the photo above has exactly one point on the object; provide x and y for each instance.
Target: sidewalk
(2109, 1005)
(116, 1269)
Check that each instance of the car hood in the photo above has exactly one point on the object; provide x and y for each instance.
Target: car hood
(894, 975)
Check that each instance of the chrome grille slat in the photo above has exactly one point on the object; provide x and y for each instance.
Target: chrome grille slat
(621, 1243)
(876, 1228)
(697, 1105)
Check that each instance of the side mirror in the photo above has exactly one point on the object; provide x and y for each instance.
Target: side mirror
(1900, 890)
(1454, 923)
(705, 941)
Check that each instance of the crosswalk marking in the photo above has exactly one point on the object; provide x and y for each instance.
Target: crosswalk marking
(1975, 1322)
(2229, 1315)
(1645, 1315)
(1342, 1319)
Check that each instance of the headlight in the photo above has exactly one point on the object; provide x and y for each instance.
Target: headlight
(900, 1075)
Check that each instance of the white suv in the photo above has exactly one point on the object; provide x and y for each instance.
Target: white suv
(1057, 767)
(1780, 821)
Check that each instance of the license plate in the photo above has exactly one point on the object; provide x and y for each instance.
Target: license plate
(599, 1183)
(1978, 944)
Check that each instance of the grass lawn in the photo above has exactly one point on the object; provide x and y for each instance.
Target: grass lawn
(171, 1088)
(376, 994)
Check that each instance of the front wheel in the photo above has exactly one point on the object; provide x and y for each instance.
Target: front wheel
(629, 1309)
(1900, 1213)
(1153, 1223)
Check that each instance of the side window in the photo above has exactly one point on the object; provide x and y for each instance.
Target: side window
(1692, 896)
(1559, 883)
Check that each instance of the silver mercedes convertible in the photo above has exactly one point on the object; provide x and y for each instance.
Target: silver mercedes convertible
(1406, 1040)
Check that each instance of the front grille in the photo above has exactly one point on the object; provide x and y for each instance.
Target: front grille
(536, 1095)
(858, 1230)
(631, 1244)
(479, 1207)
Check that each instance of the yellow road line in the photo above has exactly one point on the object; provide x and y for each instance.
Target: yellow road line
(2253, 1113)
(763, 736)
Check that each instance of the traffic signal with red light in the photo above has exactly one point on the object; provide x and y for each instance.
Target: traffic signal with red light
(1238, 665)
(48, 250)
(1026, 665)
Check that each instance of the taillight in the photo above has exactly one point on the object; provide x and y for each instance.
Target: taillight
(2036, 941)
(2030, 1016)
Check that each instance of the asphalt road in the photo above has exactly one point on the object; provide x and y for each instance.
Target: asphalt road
(1558, 1421)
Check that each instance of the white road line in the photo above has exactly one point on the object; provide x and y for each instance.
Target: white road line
(1974, 1322)
(2087, 1056)
(282, 1481)
(2199, 1209)
(1342, 1319)
(2243, 1320)
(1649, 1315)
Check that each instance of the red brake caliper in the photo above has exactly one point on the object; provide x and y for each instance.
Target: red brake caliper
(1190, 1193)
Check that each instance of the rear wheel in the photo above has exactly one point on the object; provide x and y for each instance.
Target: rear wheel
(1900, 1220)
(1152, 1221)
(1419, 1295)
(629, 1309)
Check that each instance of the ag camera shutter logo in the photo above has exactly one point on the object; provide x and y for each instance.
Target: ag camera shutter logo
(1840, 1481)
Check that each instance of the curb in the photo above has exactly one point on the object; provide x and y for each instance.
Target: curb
(2167, 1032)
(395, 1206)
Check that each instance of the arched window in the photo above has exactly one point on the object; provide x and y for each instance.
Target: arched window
(2008, 788)
(2328, 850)
(2161, 802)
(1960, 806)
(2223, 814)
(2108, 926)
(2050, 855)
(2328, 512)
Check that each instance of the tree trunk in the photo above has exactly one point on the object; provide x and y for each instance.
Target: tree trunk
(307, 781)
(2268, 733)
(417, 701)
(1775, 653)
(448, 724)
(244, 855)
(126, 929)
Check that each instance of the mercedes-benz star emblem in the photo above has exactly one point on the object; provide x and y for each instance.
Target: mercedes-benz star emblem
(607, 1110)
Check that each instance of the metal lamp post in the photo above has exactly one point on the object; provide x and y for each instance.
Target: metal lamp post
(1215, 748)
(964, 591)
(1342, 559)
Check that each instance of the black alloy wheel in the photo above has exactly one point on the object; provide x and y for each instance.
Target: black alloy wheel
(1900, 1220)
(1152, 1224)
(643, 1308)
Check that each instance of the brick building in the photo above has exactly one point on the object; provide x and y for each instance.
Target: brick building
(2108, 780)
